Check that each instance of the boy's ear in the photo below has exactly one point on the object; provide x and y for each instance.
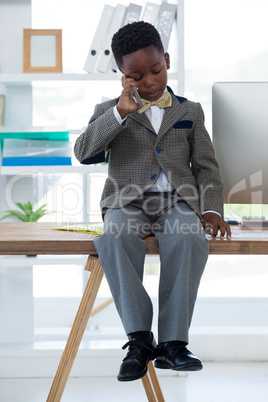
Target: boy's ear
(167, 60)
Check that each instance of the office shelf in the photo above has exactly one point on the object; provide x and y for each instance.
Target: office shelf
(29, 78)
(35, 170)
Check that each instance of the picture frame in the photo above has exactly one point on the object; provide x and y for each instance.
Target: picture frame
(42, 51)
(2, 109)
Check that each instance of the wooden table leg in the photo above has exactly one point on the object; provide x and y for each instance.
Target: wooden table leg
(150, 381)
(154, 383)
(78, 328)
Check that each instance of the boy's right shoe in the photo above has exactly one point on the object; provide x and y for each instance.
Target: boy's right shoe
(141, 349)
(175, 356)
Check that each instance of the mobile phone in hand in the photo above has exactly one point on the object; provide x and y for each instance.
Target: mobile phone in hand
(137, 97)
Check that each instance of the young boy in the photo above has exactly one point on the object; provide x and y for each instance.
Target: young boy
(164, 180)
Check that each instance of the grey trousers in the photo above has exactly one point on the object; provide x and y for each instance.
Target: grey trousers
(183, 250)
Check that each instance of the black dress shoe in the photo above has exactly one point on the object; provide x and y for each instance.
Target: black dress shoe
(141, 348)
(173, 355)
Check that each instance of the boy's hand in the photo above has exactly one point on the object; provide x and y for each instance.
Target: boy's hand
(126, 102)
(213, 223)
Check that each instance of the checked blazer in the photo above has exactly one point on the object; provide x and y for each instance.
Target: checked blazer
(182, 148)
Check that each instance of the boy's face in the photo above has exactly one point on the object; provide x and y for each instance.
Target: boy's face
(148, 67)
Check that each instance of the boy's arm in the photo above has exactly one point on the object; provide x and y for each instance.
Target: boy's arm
(206, 171)
(205, 167)
(102, 128)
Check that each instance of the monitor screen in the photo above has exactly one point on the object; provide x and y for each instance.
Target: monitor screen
(240, 139)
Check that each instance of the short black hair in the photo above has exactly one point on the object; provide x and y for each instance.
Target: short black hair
(135, 36)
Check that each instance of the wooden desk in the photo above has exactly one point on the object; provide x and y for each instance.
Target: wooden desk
(39, 238)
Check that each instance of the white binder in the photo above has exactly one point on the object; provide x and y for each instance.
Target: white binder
(166, 17)
(99, 38)
(116, 23)
(132, 15)
(151, 12)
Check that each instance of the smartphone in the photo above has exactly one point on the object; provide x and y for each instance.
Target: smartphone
(137, 97)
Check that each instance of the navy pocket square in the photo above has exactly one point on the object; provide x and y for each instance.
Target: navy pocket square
(183, 124)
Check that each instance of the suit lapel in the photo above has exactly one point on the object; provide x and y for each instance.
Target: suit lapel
(143, 120)
(172, 115)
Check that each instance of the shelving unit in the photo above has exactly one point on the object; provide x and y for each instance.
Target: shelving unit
(34, 170)
(19, 85)
(25, 78)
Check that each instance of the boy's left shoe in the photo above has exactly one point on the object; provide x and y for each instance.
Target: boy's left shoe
(174, 356)
(141, 349)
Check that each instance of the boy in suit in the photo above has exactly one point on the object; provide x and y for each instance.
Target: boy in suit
(164, 180)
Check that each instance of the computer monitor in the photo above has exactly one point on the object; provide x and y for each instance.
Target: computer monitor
(240, 139)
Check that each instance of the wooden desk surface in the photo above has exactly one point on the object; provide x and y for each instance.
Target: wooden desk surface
(39, 238)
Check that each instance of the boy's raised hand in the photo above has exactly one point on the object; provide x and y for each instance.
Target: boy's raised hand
(126, 103)
(213, 223)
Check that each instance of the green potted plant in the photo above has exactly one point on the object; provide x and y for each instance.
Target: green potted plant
(26, 212)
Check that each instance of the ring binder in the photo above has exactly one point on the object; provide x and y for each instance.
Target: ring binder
(99, 38)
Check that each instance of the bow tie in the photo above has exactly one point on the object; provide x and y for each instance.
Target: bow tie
(164, 101)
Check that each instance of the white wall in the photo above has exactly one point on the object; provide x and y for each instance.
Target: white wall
(15, 15)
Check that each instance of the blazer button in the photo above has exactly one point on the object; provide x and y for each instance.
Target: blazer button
(153, 176)
(158, 150)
